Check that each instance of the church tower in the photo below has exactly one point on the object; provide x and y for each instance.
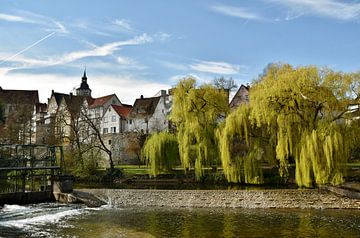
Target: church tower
(84, 89)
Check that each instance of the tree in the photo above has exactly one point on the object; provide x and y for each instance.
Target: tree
(196, 113)
(160, 152)
(225, 84)
(304, 111)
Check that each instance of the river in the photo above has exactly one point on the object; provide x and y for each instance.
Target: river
(64, 220)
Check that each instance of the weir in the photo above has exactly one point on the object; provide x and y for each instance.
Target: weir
(29, 173)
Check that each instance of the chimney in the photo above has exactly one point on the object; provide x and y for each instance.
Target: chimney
(0, 88)
(142, 96)
(163, 93)
(52, 92)
(71, 95)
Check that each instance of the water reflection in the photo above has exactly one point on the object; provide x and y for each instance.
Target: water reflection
(57, 220)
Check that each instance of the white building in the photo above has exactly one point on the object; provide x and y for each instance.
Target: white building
(115, 119)
(150, 115)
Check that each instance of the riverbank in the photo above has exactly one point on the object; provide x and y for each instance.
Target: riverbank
(274, 198)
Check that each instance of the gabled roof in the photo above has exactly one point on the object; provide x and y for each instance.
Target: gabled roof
(73, 103)
(58, 97)
(144, 107)
(96, 102)
(237, 94)
(19, 96)
(122, 110)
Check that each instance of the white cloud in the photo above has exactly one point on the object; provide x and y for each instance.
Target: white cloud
(162, 36)
(96, 51)
(172, 65)
(325, 8)
(216, 67)
(126, 87)
(12, 18)
(32, 18)
(236, 12)
(123, 24)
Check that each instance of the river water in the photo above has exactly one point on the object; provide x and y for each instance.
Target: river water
(64, 220)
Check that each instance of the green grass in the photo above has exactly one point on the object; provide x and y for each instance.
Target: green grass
(133, 169)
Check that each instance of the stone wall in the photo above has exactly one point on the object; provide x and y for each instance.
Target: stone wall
(120, 144)
(284, 198)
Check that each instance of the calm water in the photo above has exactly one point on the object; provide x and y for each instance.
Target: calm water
(56, 220)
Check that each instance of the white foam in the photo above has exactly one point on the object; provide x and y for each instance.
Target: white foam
(42, 219)
(10, 208)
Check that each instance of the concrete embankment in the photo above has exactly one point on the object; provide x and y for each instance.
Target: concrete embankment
(277, 198)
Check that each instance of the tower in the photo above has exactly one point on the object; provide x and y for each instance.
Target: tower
(84, 89)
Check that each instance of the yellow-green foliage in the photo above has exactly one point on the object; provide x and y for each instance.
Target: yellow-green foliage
(195, 112)
(160, 152)
(238, 151)
(305, 107)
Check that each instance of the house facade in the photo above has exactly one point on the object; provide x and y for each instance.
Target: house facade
(19, 110)
(115, 119)
(150, 115)
(240, 97)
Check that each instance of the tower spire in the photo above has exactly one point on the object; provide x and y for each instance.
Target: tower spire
(84, 78)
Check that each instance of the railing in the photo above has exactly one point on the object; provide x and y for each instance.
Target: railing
(25, 168)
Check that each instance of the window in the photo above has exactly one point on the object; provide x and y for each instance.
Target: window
(130, 121)
(105, 130)
(162, 110)
(113, 118)
(109, 142)
(113, 129)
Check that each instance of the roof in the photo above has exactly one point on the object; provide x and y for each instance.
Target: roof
(122, 110)
(238, 95)
(58, 97)
(19, 96)
(84, 84)
(144, 107)
(96, 102)
(73, 103)
(41, 107)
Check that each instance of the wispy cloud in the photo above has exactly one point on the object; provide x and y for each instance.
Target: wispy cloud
(17, 61)
(216, 67)
(50, 24)
(12, 18)
(123, 24)
(324, 8)
(236, 12)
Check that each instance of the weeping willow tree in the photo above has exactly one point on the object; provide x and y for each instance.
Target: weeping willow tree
(160, 152)
(243, 147)
(307, 109)
(196, 112)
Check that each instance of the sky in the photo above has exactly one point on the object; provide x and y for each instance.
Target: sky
(138, 47)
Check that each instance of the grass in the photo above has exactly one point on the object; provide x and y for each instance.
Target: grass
(133, 169)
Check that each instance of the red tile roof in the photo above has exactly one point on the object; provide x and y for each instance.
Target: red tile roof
(122, 110)
(101, 101)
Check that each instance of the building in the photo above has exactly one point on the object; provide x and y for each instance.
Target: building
(115, 119)
(62, 116)
(149, 115)
(19, 111)
(84, 89)
(240, 97)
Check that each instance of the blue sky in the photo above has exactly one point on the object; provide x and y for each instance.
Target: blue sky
(134, 47)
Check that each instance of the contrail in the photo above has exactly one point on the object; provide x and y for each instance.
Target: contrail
(27, 48)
